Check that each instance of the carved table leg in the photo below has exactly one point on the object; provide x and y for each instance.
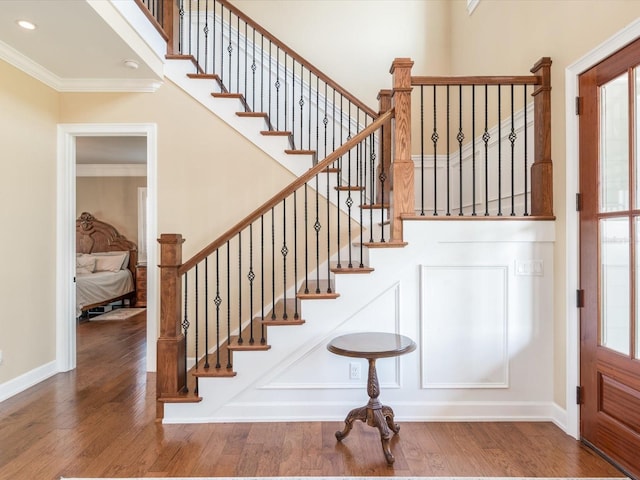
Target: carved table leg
(374, 414)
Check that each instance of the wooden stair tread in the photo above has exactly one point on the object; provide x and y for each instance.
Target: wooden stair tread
(388, 244)
(275, 133)
(313, 287)
(191, 58)
(277, 313)
(204, 76)
(183, 397)
(227, 95)
(252, 114)
(300, 152)
(374, 206)
(344, 268)
(247, 346)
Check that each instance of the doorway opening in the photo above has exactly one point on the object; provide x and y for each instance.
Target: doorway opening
(68, 134)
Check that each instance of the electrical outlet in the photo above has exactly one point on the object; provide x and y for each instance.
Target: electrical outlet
(355, 372)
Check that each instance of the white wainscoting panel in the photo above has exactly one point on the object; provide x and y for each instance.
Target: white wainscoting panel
(464, 340)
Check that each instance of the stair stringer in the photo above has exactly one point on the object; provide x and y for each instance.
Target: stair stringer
(289, 344)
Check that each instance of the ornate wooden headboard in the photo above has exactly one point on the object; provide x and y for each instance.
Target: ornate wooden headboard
(92, 235)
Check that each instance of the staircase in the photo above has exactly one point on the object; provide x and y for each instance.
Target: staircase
(331, 251)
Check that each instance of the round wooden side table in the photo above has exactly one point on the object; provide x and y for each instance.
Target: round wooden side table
(372, 345)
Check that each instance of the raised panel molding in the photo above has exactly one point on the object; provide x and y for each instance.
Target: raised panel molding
(464, 327)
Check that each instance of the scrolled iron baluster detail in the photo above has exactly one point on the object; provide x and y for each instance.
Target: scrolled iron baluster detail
(512, 138)
(206, 313)
(251, 277)
(185, 329)
(485, 138)
(460, 138)
(284, 251)
(434, 140)
(217, 301)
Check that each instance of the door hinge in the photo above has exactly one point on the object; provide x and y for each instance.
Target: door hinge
(578, 202)
(579, 298)
(579, 395)
(578, 105)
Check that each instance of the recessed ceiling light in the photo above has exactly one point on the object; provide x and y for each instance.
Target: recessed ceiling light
(26, 24)
(132, 64)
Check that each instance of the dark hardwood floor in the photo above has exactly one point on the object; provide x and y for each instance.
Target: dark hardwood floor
(99, 421)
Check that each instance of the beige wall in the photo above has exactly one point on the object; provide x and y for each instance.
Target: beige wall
(28, 117)
(355, 41)
(196, 160)
(113, 200)
(508, 37)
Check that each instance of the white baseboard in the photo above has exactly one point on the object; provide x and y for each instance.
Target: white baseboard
(26, 380)
(404, 412)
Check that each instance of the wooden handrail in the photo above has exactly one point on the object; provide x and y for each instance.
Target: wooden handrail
(285, 192)
(293, 54)
(481, 80)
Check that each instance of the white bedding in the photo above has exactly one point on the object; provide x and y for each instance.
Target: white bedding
(99, 286)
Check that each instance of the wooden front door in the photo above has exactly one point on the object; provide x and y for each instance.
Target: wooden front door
(610, 257)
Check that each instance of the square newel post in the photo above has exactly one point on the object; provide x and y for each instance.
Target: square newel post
(403, 168)
(542, 168)
(384, 176)
(171, 375)
(170, 25)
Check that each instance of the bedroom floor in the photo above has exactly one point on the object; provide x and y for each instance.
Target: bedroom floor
(99, 420)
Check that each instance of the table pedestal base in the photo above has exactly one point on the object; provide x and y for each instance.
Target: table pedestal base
(374, 414)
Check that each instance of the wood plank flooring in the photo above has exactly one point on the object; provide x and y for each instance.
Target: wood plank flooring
(99, 421)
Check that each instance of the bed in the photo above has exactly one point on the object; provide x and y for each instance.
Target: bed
(105, 264)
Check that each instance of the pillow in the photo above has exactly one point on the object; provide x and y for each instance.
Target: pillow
(85, 264)
(124, 253)
(109, 263)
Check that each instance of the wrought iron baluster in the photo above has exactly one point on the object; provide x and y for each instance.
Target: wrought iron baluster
(198, 32)
(217, 301)
(240, 339)
(254, 67)
(309, 114)
(238, 55)
(293, 103)
(434, 139)
(246, 90)
(206, 313)
(317, 145)
(317, 227)
(460, 139)
(206, 36)
(277, 85)
(284, 251)
(383, 178)
(263, 340)
(526, 164)
(499, 152)
(473, 151)
(195, 296)
(286, 91)
(273, 265)
(306, 239)
(485, 138)
(181, 26)
(251, 276)
(228, 305)
(448, 142)
(296, 314)
(349, 200)
(362, 184)
(230, 51)
(185, 328)
(213, 38)
(512, 138)
(422, 150)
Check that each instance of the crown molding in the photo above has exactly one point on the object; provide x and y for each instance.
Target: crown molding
(37, 71)
(111, 170)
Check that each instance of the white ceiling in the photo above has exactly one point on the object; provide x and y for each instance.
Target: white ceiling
(73, 44)
(74, 49)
